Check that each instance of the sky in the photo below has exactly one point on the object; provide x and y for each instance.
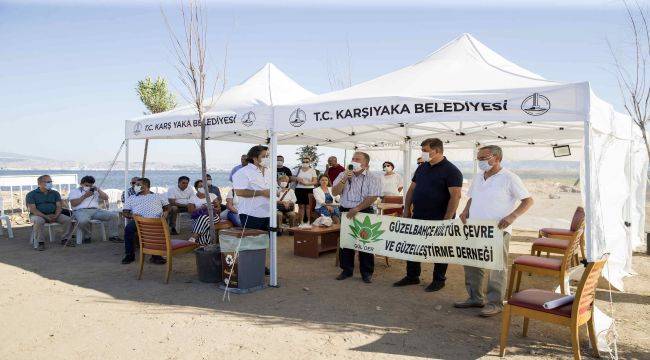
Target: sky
(68, 69)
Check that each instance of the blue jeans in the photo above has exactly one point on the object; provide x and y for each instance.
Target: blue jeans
(323, 211)
(234, 218)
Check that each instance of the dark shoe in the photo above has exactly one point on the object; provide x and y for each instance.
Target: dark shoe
(67, 242)
(407, 281)
(267, 272)
(469, 303)
(129, 258)
(343, 275)
(41, 246)
(367, 279)
(174, 232)
(158, 260)
(115, 239)
(87, 240)
(435, 286)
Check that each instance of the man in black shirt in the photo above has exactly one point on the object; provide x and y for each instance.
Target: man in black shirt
(434, 193)
(283, 170)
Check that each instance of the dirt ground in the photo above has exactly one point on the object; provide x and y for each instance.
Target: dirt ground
(74, 303)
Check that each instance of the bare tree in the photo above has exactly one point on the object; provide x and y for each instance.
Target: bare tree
(190, 51)
(633, 78)
(340, 78)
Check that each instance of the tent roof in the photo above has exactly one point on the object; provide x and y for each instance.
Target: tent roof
(464, 64)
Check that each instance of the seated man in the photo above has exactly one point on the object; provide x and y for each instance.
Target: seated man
(85, 205)
(286, 203)
(129, 191)
(146, 204)
(44, 205)
(179, 197)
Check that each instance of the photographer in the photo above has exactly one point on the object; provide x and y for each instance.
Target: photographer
(84, 201)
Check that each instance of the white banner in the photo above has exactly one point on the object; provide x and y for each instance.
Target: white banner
(555, 103)
(478, 243)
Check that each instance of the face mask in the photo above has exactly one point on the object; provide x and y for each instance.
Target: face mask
(484, 165)
(280, 163)
(201, 190)
(387, 169)
(355, 165)
(86, 188)
(209, 182)
(283, 184)
(48, 185)
(305, 165)
(425, 156)
(137, 188)
(265, 162)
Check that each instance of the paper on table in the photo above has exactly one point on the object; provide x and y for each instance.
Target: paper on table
(558, 302)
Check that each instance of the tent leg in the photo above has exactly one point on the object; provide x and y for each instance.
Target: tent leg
(144, 156)
(273, 220)
(475, 154)
(126, 164)
(587, 180)
(407, 161)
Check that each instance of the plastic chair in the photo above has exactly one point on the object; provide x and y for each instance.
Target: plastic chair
(48, 226)
(155, 240)
(557, 267)
(10, 232)
(530, 304)
(555, 241)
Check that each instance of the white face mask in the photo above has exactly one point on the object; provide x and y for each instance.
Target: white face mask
(425, 156)
(283, 184)
(484, 165)
(137, 188)
(86, 188)
(265, 162)
(388, 169)
(201, 190)
(355, 165)
(305, 165)
(209, 182)
(280, 163)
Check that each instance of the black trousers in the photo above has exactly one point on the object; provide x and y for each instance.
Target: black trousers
(366, 260)
(413, 269)
(253, 222)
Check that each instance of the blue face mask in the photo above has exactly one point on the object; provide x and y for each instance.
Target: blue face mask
(48, 185)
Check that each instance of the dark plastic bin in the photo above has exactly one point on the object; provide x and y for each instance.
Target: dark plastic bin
(208, 264)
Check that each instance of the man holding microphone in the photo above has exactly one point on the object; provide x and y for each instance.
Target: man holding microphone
(358, 189)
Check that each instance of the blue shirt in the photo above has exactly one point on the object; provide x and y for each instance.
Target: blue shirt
(234, 170)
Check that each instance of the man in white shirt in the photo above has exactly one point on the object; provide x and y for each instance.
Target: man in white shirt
(85, 206)
(492, 196)
(179, 197)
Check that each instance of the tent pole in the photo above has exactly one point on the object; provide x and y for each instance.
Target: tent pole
(587, 181)
(273, 220)
(126, 164)
(407, 161)
(144, 156)
(474, 154)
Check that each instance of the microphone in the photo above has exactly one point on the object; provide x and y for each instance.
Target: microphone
(350, 167)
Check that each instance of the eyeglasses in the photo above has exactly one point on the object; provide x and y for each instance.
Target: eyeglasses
(132, 182)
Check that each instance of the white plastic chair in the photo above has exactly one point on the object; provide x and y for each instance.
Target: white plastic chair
(7, 220)
(79, 233)
(49, 227)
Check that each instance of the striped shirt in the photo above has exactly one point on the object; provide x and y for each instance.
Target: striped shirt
(361, 186)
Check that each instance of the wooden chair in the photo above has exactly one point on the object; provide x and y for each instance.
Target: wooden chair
(529, 304)
(312, 206)
(155, 240)
(555, 241)
(544, 266)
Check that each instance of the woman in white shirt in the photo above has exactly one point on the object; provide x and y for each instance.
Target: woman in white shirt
(305, 179)
(392, 182)
(286, 202)
(325, 199)
(251, 184)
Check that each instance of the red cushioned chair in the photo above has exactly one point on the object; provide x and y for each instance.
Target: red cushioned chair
(155, 240)
(555, 241)
(557, 267)
(529, 304)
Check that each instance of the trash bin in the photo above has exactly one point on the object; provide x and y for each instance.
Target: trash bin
(245, 273)
(208, 263)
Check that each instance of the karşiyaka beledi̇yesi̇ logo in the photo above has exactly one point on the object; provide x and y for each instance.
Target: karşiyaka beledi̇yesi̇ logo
(536, 104)
(248, 119)
(366, 231)
(297, 118)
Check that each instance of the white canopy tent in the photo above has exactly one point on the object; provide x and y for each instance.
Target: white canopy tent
(466, 95)
(242, 113)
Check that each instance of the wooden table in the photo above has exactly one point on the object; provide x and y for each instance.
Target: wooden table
(311, 242)
(387, 206)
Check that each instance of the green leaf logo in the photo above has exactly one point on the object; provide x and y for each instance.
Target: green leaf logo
(366, 231)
